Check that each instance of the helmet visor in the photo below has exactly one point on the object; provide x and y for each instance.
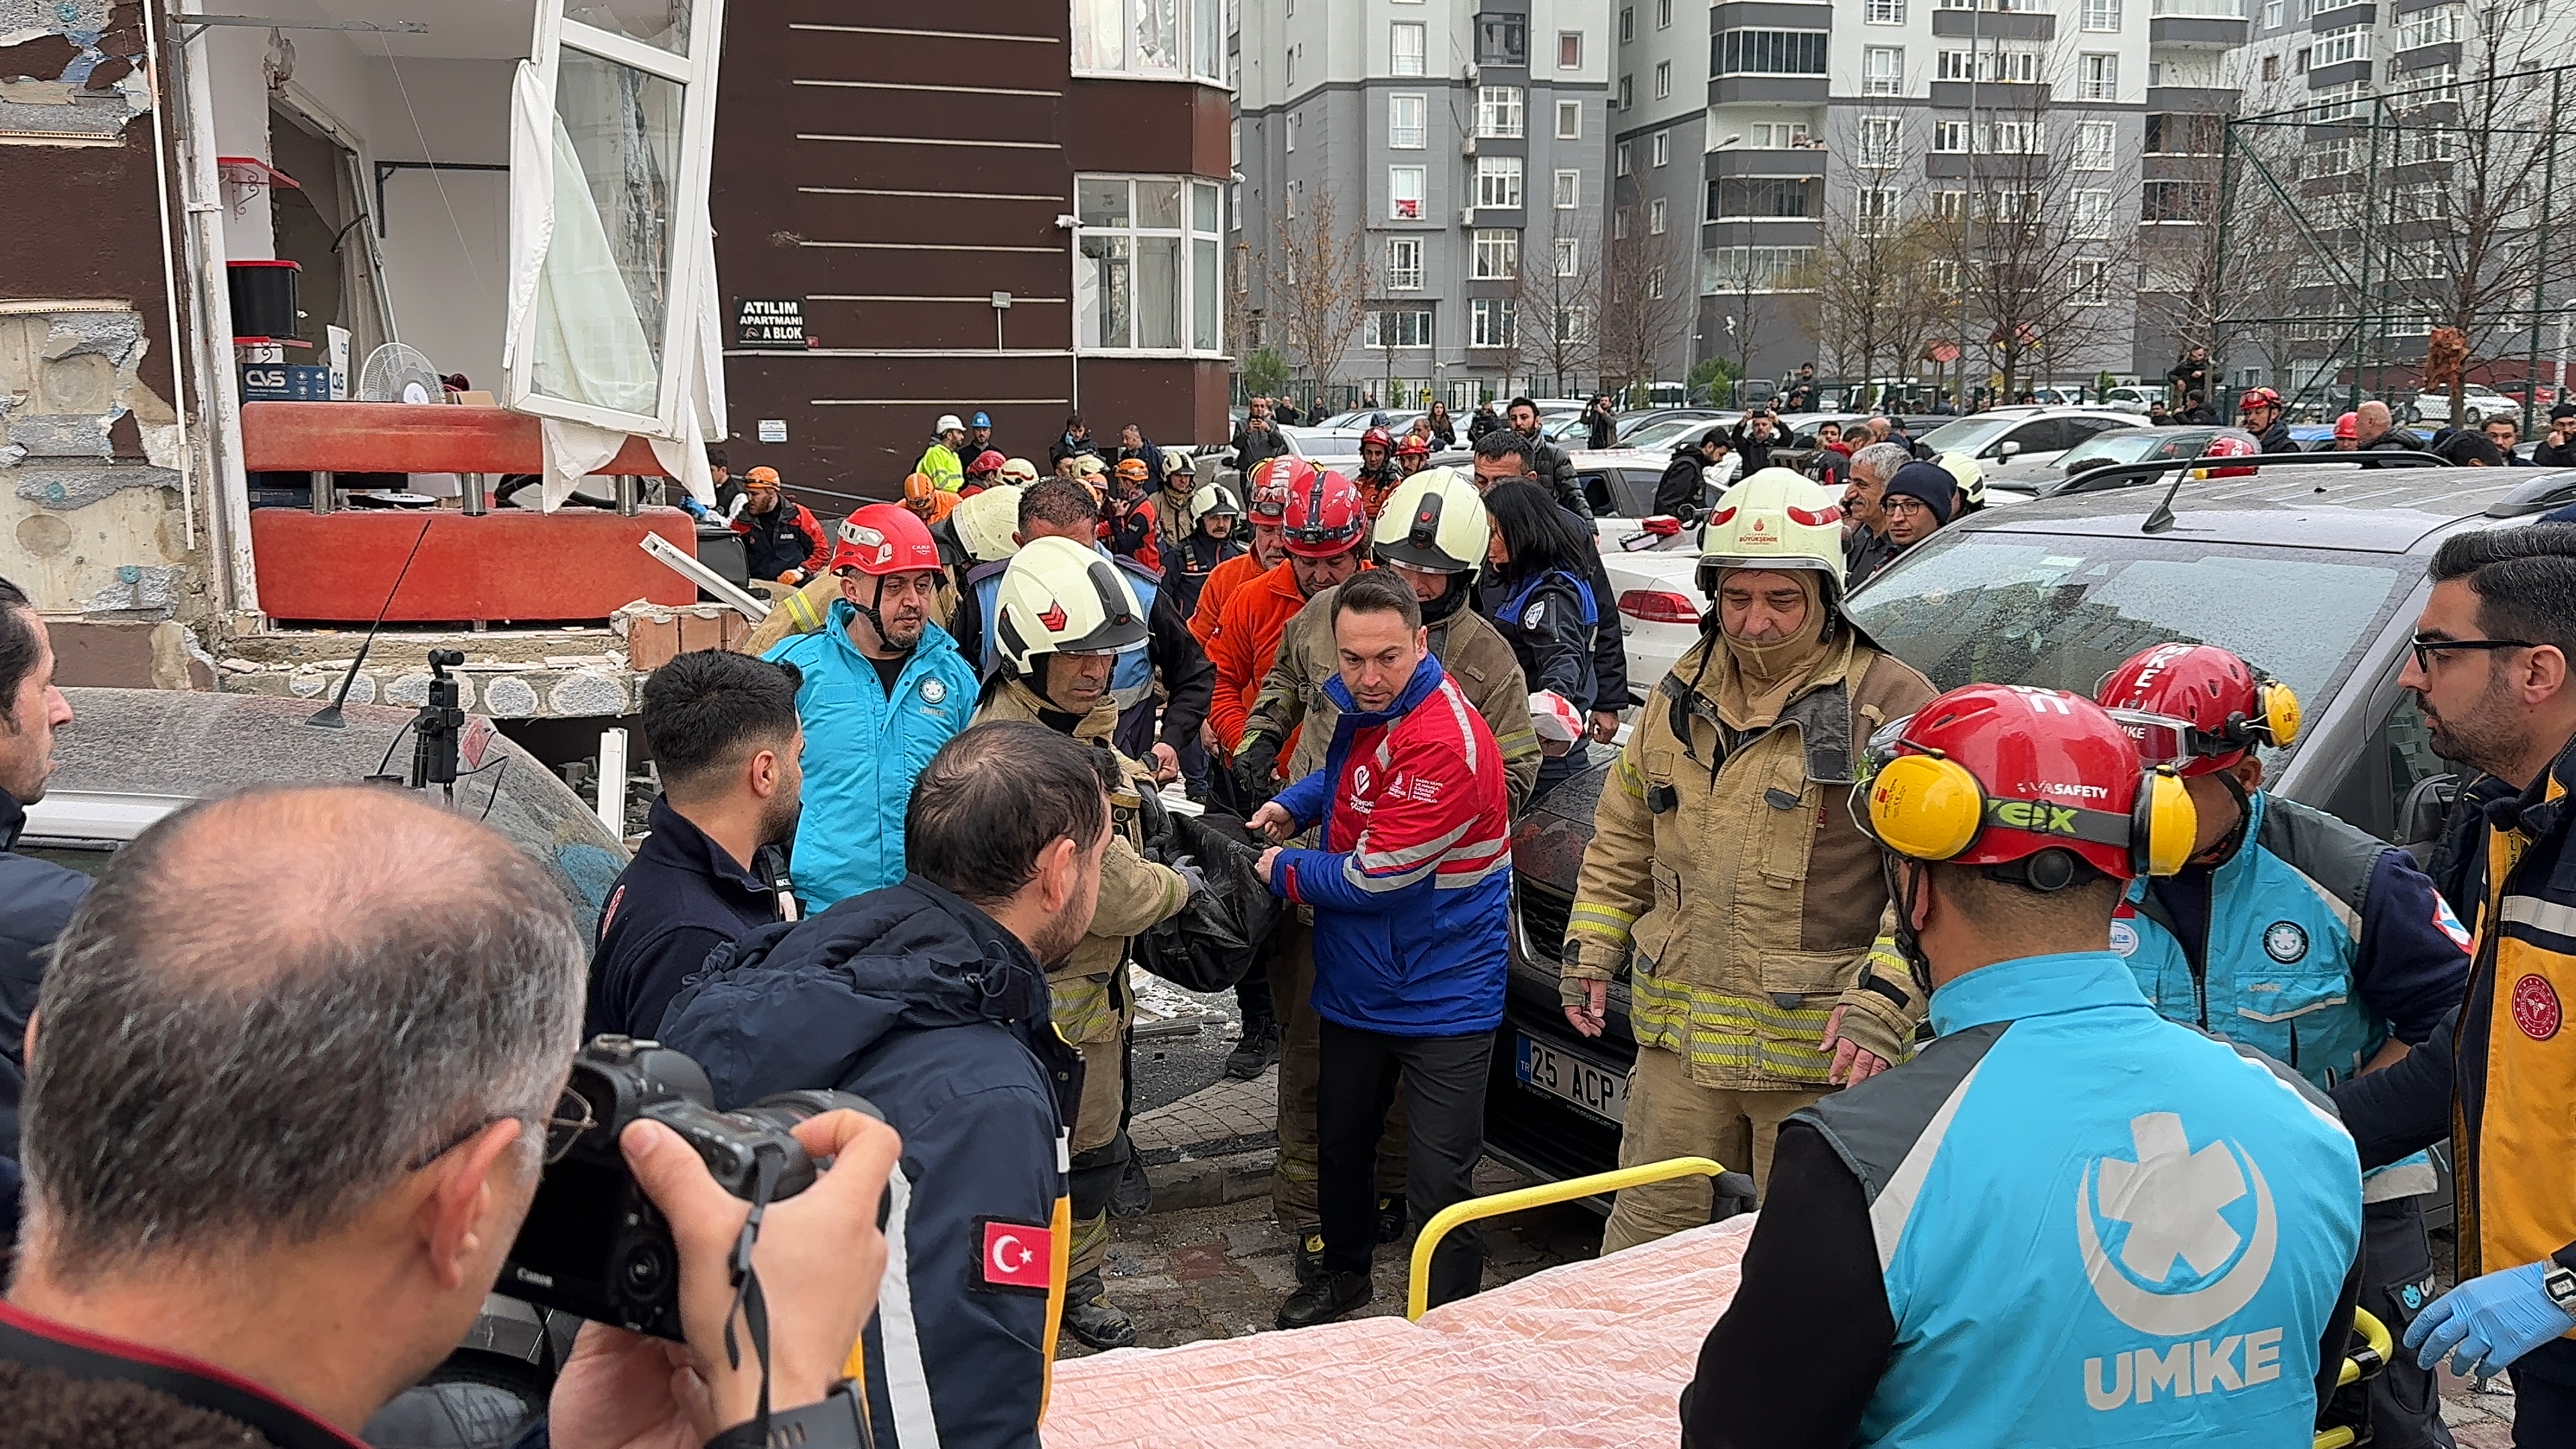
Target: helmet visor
(2162, 739)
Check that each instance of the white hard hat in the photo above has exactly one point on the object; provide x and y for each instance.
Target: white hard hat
(1211, 500)
(1058, 597)
(1776, 519)
(947, 422)
(1434, 521)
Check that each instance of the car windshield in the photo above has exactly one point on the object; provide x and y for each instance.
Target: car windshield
(1970, 435)
(1655, 435)
(2060, 612)
(2122, 445)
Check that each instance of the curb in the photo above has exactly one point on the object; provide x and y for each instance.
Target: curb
(1205, 1182)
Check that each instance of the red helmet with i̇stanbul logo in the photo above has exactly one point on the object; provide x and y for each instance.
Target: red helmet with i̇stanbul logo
(1325, 518)
(884, 538)
(2197, 707)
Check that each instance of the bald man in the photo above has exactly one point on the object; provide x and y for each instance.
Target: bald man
(2376, 428)
(254, 1112)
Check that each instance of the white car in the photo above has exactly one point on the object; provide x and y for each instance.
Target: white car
(2023, 434)
(1652, 566)
(2133, 398)
(2482, 402)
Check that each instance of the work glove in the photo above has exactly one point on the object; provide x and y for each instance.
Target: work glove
(792, 578)
(1254, 765)
(1187, 868)
(1877, 1017)
(2488, 1322)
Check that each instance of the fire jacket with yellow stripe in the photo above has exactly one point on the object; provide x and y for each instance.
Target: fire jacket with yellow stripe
(1478, 659)
(1729, 862)
(2498, 1077)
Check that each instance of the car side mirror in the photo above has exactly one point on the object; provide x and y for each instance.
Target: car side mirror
(2008, 449)
(2427, 805)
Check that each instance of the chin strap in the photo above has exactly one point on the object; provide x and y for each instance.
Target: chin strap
(1902, 889)
(748, 1301)
(2234, 841)
(869, 611)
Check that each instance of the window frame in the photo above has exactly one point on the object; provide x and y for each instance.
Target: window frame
(1659, 147)
(1190, 250)
(1729, 51)
(1510, 175)
(2099, 17)
(2098, 76)
(1494, 254)
(1419, 131)
(1491, 325)
(1882, 70)
(1879, 144)
(1883, 12)
(1395, 197)
(1201, 22)
(2088, 157)
(1569, 50)
(1559, 186)
(1502, 113)
(1663, 80)
(1396, 271)
(1658, 217)
(1564, 110)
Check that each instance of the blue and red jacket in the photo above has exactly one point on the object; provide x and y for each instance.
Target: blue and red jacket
(1412, 890)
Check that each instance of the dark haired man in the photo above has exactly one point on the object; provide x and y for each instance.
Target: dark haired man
(1411, 892)
(726, 743)
(2490, 673)
(929, 998)
(1505, 454)
(36, 896)
(1548, 463)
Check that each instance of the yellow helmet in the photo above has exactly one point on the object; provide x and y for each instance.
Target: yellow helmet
(1058, 597)
(1434, 521)
(1775, 519)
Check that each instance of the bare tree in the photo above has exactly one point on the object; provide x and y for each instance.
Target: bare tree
(1873, 288)
(1643, 298)
(2229, 277)
(1318, 283)
(1553, 299)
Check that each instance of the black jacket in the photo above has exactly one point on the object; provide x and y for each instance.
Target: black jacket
(37, 898)
(1252, 448)
(1865, 552)
(1609, 642)
(1482, 423)
(1756, 455)
(2561, 456)
(1604, 430)
(1186, 565)
(1066, 447)
(786, 537)
(2277, 439)
(924, 1005)
(1556, 473)
(59, 1385)
(678, 899)
(1683, 490)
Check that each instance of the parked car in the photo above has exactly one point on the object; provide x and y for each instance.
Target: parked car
(1630, 424)
(1678, 430)
(2020, 480)
(1656, 604)
(2132, 398)
(2029, 434)
(2482, 402)
(2315, 574)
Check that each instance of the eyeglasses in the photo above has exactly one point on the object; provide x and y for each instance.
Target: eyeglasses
(2425, 649)
(563, 1127)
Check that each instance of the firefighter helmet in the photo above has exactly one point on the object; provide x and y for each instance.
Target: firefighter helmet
(1058, 597)
(1434, 521)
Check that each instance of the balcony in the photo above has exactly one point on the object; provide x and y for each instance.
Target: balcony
(1790, 90)
(2206, 100)
(1733, 161)
(1994, 25)
(1991, 96)
(2343, 17)
(2208, 32)
(1770, 15)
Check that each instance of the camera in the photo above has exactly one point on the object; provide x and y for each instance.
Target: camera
(593, 1244)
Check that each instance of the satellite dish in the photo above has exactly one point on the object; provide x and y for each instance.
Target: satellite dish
(395, 373)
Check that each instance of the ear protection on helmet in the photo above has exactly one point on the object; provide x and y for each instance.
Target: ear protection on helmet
(1932, 808)
(2280, 710)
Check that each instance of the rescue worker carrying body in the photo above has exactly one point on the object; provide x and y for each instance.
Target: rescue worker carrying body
(1751, 990)
(884, 687)
(1433, 534)
(780, 539)
(1326, 532)
(2300, 936)
(1265, 543)
(1377, 475)
(1063, 617)
(1916, 1277)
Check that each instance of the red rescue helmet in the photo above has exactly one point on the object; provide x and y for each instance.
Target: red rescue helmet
(1994, 774)
(1275, 481)
(884, 538)
(2259, 397)
(987, 461)
(1413, 446)
(1379, 436)
(1325, 517)
(2348, 427)
(2230, 443)
(2197, 707)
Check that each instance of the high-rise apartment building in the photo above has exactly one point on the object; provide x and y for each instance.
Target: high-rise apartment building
(1456, 149)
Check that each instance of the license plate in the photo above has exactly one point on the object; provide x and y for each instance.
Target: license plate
(1594, 1088)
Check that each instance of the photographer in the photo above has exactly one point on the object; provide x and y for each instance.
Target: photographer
(277, 1148)
(929, 998)
(1258, 439)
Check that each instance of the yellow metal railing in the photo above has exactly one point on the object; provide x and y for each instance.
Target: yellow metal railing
(1474, 1208)
(2377, 1348)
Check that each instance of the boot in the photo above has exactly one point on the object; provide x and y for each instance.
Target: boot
(1091, 1317)
(1392, 1220)
(1326, 1299)
(1310, 1258)
(1254, 1054)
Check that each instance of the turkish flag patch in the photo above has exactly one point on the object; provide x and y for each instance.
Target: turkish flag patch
(1018, 1257)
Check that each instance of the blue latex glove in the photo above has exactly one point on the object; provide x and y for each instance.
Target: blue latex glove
(2488, 1322)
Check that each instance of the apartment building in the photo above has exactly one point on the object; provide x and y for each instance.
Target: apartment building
(1864, 114)
(1458, 143)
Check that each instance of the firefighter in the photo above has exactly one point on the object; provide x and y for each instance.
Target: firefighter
(1064, 616)
(1724, 862)
(1433, 534)
(1325, 529)
(1378, 473)
(1412, 454)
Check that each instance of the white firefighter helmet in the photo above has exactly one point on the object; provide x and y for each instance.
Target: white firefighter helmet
(1972, 478)
(1554, 717)
(1214, 500)
(1775, 519)
(986, 522)
(1434, 521)
(1058, 597)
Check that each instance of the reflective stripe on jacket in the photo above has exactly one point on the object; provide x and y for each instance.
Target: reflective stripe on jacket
(943, 467)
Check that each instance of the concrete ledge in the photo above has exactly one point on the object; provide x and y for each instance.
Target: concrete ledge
(1204, 1182)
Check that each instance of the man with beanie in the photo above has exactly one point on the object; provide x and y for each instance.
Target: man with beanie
(1915, 505)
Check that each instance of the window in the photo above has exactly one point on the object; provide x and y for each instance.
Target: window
(1489, 322)
(2099, 78)
(2335, 156)
(2423, 82)
(2014, 138)
(1148, 272)
(1569, 325)
(2092, 283)
(2334, 47)
(1627, 24)
(1234, 205)
(2272, 18)
(1290, 129)
(2095, 142)
(2102, 15)
(1882, 70)
(1950, 137)
(1404, 264)
(1779, 135)
(1655, 284)
(1497, 256)
(2171, 201)
(1569, 256)
(1295, 188)
(1396, 329)
(1569, 120)
(1234, 142)
(1167, 39)
(2271, 67)
(2092, 214)
(1498, 181)
(1569, 190)
(1292, 65)
(1619, 158)
(2008, 205)
(1875, 212)
(1943, 275)
(1660, 145)
(1656, 213)
(1502, 40)
(1663, 14)
(1768, 52)
(1884, 12)
(2336, 103)
(1404, 193)
(2015, 67)
(1627, 91)
(1405, 47)
(1498, 112)
(1752, 269)
(1619, 224)
(2437, 26)
(1950, 205)
(1663, 79)
(1879, 140)
(1569, 50)
(2184, 134)
(1406, 129)
(1763, 197)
